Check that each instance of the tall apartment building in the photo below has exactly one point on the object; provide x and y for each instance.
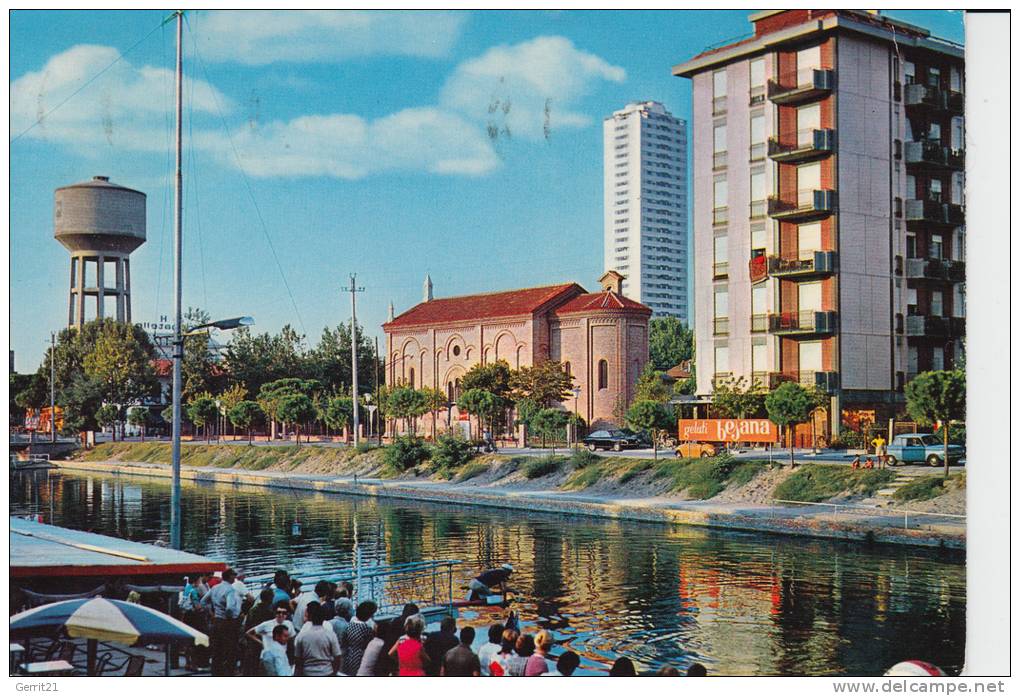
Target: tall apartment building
(645, 205)
(828, 207)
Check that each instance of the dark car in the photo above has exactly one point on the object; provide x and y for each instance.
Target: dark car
(615, 440)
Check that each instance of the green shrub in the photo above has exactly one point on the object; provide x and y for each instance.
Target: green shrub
(848, 439)
(921, 489)
(587, 476)
(634, 469)
(364, 447)
(817, 482)
(405, 453)
(472, 470)
(537, 468)
(452, 452)
(582, 458)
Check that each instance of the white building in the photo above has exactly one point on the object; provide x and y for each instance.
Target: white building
(645, 205)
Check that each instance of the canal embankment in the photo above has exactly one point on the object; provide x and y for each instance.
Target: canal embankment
(824, 501)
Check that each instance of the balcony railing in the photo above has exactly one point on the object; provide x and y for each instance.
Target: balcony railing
(804, 145)
(720, 216)
(759, 323)
(933, 212)
(810, 204)
(919, 96)
(927, 155)
(827, 381)
(803, 322)
(936, 269)
(924, 325)
(801, 85)
(720, 326)
(816, 263)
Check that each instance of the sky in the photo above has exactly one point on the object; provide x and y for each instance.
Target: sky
(465, 145)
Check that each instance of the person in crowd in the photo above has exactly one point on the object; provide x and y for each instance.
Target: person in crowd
(358, 635)
(343, 610)
(259, 613)
(247, 599)
(487, 652)
(281, 586)
(879, 444)
(371, 658)
(394, 631)
(202, 584)
(565, 666)
(439, 643)
(856, 463)
(499, 667)
(316, 650)
(274, 656)
(262, 634)
(134, 597)
(461, 661)
(191, 613)
(409, 651)
(295, 588)
(538, 663)
(697, 670)
(224, 605)
(524, 649)
(623, 667)
(482, 585)
(668, 671)
(323, 591)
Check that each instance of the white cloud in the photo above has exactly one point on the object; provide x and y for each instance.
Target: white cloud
(528, 87)
(269, 36)
(126, 107)
(347, 146)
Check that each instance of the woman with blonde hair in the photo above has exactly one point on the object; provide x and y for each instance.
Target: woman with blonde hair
(538, 663)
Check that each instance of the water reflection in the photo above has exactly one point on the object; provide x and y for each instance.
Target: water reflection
(740, 603)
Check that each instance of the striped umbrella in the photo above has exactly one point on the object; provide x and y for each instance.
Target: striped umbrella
(105, 619)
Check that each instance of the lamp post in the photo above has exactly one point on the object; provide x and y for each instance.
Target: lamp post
(175, 444)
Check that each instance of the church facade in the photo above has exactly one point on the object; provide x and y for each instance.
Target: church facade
(601, 339)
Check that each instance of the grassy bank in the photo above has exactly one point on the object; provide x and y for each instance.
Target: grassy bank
(813, 483)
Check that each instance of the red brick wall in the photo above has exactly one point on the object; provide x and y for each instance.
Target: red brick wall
(829, 354)
(789, 356)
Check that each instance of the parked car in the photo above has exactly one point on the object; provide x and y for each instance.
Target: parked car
(696, 449)
(914, 448)
(615, 440)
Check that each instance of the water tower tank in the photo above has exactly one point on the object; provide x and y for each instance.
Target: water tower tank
(100, 223)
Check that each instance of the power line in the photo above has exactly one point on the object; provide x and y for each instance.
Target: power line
(90, 81)
(247, 182)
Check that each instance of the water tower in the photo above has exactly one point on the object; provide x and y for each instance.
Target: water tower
(100, 224)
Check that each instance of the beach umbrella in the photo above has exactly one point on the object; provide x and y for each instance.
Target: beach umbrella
(105, 619)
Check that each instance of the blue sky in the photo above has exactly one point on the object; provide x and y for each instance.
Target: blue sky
(365, 138)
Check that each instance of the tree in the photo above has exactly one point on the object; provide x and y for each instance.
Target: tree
(338, 412)
(330, 360)
(546, 383)
(297, 409)
(494, 377)
(121, 359)
(139, 417)
(81, 400)
(738, 398)
(202, 411)
(550, 422)
(108, 415)
(652, 386)
(790, 403)
(481, 403)
(938, 397)
(272, 394)
(255, 360)
(406, 404)
(651, 417)
(670, 342)
(435, 399)
(232, 396)
(245, 415)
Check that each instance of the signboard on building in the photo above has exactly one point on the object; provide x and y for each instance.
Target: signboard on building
(728, 430)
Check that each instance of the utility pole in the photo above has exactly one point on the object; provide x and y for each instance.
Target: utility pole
(378, 404)
(175, 447)
(354, 289)
(53, 386)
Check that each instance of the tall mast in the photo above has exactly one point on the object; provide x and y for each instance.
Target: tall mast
(175, 490)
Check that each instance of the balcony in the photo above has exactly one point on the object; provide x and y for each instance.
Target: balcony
(927, 326)
(804, 323)
(721, 326)
(934, 212)
(801, 86)
(931, 155)
(803, 146)
(924, 98)
(946, 270)
(827, 382)
(817, 264)
(809, 205)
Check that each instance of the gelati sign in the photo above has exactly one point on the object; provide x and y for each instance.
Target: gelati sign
(728, 430)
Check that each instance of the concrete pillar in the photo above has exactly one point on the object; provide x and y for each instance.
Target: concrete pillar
(82, 263)
(100, 284)
(70, 295)
(120, 289)
(127, 290)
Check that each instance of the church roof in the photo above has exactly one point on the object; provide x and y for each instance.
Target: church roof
(509, 303)
(597, 301)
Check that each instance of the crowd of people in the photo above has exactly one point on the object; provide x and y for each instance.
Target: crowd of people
(286, 631)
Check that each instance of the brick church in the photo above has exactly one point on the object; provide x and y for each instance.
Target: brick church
(601, 338)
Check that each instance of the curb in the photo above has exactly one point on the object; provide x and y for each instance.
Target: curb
(522, 500)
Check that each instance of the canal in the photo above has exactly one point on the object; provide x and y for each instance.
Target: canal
(662, 595)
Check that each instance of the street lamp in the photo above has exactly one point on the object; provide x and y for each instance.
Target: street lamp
(175, 442)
